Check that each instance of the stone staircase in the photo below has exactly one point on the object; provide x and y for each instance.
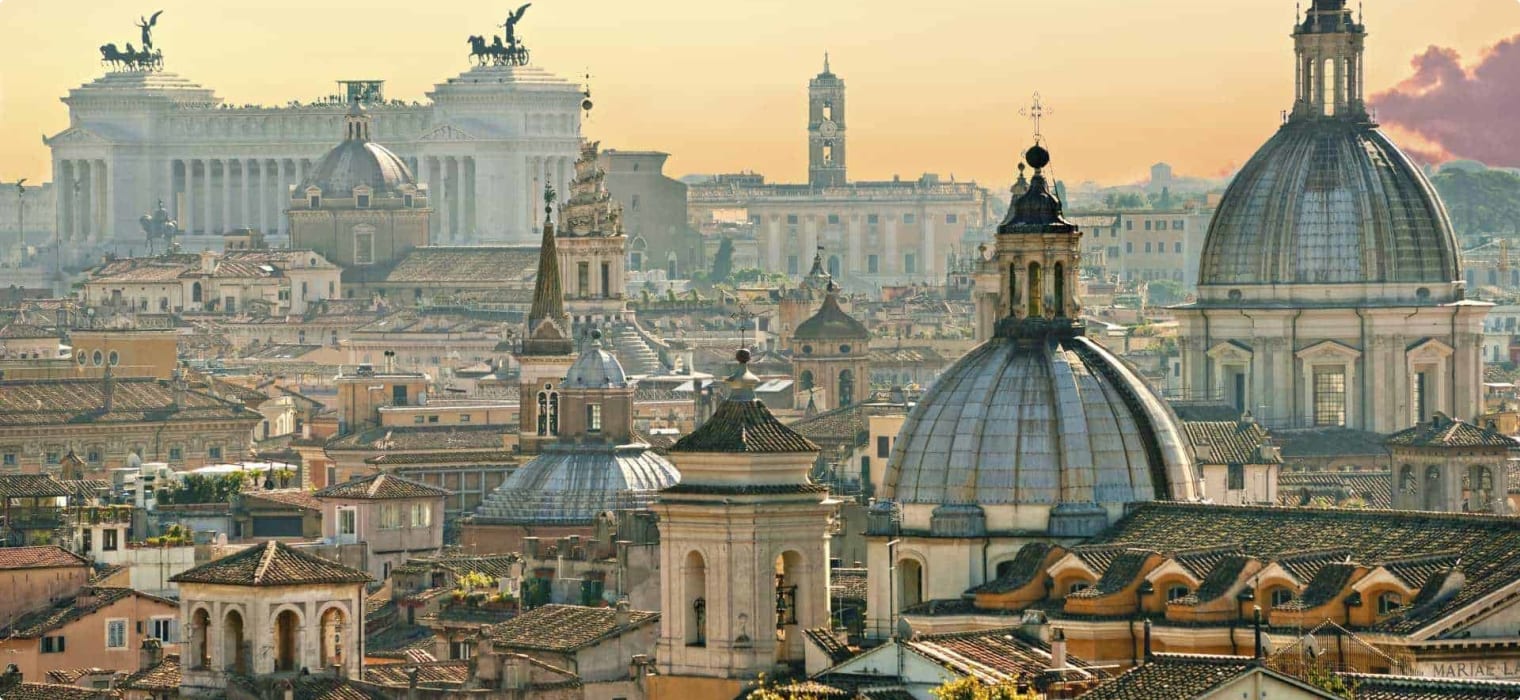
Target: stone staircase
(635, 354)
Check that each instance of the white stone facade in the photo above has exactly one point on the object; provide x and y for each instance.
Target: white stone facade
(233, 629)
(486, 141)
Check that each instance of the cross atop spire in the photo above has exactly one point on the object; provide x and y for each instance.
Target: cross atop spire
(1035, 112)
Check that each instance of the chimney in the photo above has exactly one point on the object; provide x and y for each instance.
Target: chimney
(10, 679)
(340, 671)
(623, 616)
(151, 654)
(287, 690)
(1149, 655)
(411, 683)
(1057, 649)
(180, 386)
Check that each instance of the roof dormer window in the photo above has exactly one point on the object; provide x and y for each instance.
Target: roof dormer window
(361, 197)
(314, 197)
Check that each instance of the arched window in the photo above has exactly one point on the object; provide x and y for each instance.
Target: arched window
(234, 647)
(543, 413)
(195, 292)
(1035, 296)
(334, 624)
(1433, 488)
(1059, 281)
(553, 413)
(846, 387)
(696, 599)
(910, 583)
(287, 626)
(805, 380)
(1409, 486)
(1013, 289)
(1481, 497)
(200, 651)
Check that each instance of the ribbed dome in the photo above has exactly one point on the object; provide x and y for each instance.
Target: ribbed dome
(573, 484)
(596, 369)
(354, 163)
(1329, 201)
(1040, 422)
(357, 161)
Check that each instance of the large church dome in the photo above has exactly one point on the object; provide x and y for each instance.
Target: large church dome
(1329, 201)
(1040, 428)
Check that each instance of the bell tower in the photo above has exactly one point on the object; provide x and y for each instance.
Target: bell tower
(826, 129)
(1327, 49)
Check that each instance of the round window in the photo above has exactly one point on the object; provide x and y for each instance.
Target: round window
(1235, 295)
(807, 349)
(115, 358)
(97, 358)
(844, 348)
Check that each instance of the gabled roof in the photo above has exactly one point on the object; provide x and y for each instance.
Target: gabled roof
(1228, 442)
(31, 486)
(1174, 676)
(1377, 686)
(382, 487)
(55, 691)
(563, 628)
(271, 564)
(297, 498)
(161, 677)
(90, 600)
(39, 557)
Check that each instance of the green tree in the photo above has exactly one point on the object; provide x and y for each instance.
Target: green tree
(1480, 201)
(1164, 292)
(968, 688)
(723, 261)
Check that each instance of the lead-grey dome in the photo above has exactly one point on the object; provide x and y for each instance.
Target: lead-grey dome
(1039, 421)
(574, 484)
(358, 161)
(596, 369)
(1326, 201)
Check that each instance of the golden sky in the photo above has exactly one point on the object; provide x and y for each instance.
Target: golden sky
(721, 84)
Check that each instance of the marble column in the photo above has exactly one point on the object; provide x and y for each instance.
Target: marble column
(926, 266)
(264, 196)
(187, 216)
(445, 222)
(104, 209)
(167, 190)
(456, 210)
(250, 219)
(208, 220)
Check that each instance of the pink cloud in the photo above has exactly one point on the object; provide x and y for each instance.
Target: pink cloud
(1459, 112)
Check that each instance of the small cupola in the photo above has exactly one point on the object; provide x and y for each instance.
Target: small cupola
(356, 123)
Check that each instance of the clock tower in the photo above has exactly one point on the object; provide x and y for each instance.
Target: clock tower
(826, 129)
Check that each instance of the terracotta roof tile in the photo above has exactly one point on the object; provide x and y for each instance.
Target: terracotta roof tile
(31, 486)
(39, 557)
(1384, 687)
(470, 264)
(271, 564)
(300, 498)
(1445, 432)
(70, 676)
(164, 676)
(1173, 676)
(562, 627)
(743, 426)
(1227, 442)
(40, 622)
(55, 691)
(430, 674)
(996, 655)
(135, 399)
(380, 487)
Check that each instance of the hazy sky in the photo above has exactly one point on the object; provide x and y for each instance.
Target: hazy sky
(721, 84)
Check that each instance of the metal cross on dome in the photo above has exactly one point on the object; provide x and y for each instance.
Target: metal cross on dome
(744, 316)
(1035, 112)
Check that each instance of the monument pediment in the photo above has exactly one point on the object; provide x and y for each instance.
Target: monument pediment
(447, 132)
(75, 136)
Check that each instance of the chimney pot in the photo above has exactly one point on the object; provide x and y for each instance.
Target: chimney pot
(1057, 649)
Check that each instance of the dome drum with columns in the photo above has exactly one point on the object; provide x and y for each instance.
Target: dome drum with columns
(1330, 291)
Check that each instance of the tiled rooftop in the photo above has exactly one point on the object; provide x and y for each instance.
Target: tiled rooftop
(134, 399)
(39, 557)
(1445, 432)
(743, 426)
(163, 677)
(382, 487)
(562, 628)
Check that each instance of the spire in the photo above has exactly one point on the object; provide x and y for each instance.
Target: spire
(1037, 210)
(826, 70)
(1328, 69)
(547, 323)
(356, 122)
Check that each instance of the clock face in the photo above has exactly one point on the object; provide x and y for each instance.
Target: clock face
(828, 128)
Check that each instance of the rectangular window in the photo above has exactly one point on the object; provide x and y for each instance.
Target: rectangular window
(583, 278)
(1237, 477)
(116, 634)
(1147, 224)
(593, 418)
(432, 419)
(1422, 410)
(389, 519)
(164, 629)
(883, 446)
(362, 201)
(873, 265)
(873, 219)
(464, 418)
(364, 247)
(417, 419)
(53, 645)
(348, 521)
(1177, 225)
(108, 540)
(951, 218)
(1177, 247)
(176, 454)
(791, 219)
(1160, 225)
(910, 265)
(1330, 396)
(834, 219)
(1129, 246)
(422, 515)
(1147, 246)
(908, 218)
(214, 452)
(791, 264)
(606, 280)
(1129, 225)
(8, 459)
